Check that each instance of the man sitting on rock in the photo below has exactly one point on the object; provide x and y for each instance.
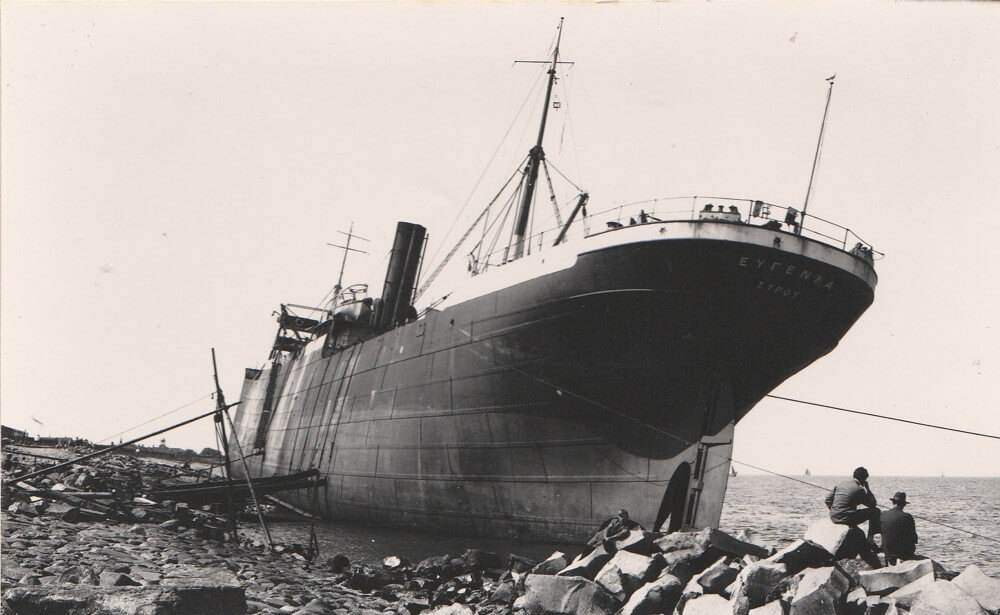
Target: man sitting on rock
(843, 503)
(613, 529)
(845, 498)
(899, 532)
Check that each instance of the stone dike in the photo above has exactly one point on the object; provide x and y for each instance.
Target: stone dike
(170, 560)
(52, 566)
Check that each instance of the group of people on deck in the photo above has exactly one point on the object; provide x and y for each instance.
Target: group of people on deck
(898, 530)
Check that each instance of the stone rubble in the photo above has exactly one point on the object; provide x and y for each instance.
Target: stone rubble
(170, 560)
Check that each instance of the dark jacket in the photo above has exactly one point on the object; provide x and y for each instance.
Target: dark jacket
(845, 498)
(611, 528)
(899, 534)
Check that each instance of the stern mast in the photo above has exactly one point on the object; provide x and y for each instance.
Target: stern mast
(535, 157)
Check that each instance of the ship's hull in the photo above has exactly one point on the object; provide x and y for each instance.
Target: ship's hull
(540, 407)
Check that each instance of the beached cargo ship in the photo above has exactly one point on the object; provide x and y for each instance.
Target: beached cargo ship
(569, 377)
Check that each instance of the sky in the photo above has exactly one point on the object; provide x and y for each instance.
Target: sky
(171, 172)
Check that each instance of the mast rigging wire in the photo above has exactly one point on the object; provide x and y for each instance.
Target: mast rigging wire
(486, 168)
(552, 193)
(430, 279)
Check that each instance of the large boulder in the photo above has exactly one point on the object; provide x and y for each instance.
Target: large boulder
(754, 583)
(716, 541)
(57, 599)
(905, 595)
(436, 565)
(786, 589)
(109, 578)
(479, 560)
(771, 608)
(856, 602)
(729, 545)
(882, 605)
(505, 593)
(446, 609)
(827, 534)
(692, 589)
(820, 591)
(753, 537)
(945, 598)
(626, 572)
(683, 541)
(22, 508)
(658, 596)
(985, 590)
(693, 550)
(887, 580)
(551, 565)
(394, 562)
(638, 541)
(800, 555)
(562, 595)
(853, 569)
(518, 563)
(64, 511)
(717, 577)
(709, 604)
(587, 565)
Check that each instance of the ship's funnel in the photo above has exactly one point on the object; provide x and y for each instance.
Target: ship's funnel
(401, 276)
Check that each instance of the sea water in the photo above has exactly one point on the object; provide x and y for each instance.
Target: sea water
(779, 509)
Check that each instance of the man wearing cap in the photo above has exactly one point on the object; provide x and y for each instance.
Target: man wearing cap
(899, 532)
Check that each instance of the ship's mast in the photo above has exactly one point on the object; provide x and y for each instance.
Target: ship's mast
(347, 248)
(819, 145)
(535, 157)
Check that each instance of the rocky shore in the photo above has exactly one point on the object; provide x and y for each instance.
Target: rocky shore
(160, 560)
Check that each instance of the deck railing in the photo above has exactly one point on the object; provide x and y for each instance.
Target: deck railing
(678, 209)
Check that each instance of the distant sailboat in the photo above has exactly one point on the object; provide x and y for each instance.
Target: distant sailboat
(808, 473)
(732, 471)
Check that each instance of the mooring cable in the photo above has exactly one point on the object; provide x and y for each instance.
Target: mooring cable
(690, 443)
(882, 416)
(179, 408)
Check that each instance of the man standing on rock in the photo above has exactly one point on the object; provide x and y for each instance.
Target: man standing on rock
(899, 532)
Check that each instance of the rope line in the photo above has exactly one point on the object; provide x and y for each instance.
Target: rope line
(882, 416)
(190, 403)
(708, 451)
(718, 455)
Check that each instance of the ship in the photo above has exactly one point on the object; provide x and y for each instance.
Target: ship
(598, 365)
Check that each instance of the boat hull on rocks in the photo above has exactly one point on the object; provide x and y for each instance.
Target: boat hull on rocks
(550, 392)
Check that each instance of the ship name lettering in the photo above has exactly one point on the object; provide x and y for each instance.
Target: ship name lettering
(777, 290)
(762, 264)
